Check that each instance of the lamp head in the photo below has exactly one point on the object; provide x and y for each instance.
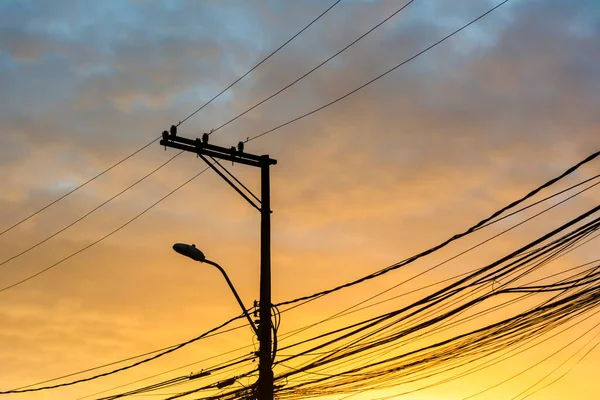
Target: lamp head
(189, 251)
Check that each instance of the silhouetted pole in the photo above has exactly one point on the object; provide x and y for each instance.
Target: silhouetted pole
(265, 369)
(237, 155)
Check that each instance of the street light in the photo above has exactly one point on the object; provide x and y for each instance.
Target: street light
(195, 254)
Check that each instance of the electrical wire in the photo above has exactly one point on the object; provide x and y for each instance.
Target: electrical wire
(494, 361)
(178, 124)
(129, 359)
(263, 60)
(154, 357)
(564, 312)
(77, 188)
(431, 285)
(90, 212)
(537, 289)
(314, 69)
(564, 374)
(180, 380)
(378, 77)
(131, 155)
(564, 247)
(557, 311)
(534, 365)
(557, 368)
(164, 373)
(212, 386)
(30, 277)
(346, 311)
(448, 241)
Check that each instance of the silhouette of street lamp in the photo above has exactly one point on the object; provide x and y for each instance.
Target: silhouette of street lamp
(195, 254)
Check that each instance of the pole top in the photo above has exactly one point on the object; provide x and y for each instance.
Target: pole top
(266, 159)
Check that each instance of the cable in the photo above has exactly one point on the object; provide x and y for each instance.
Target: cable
(180, 122)
(165, 372)
(170, 350)
(471, 272)
(77, 188)
(534, 365)
(87, 247)
(564, 374)
(275, 327)
(490, 363)
(204, 373)
(182, 379)
(378, 77)
(495, 336)
(213, 385)
(90, 212)
(542, 200)
(461, 350)
(347, 310)
(102, 238)
(129, 359)
(263, 60)
(557, 368)
(448, 241)
(314, 69)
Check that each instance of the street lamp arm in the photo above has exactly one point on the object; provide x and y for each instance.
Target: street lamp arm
(237, 297)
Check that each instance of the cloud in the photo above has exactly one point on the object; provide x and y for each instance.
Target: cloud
(397, 167)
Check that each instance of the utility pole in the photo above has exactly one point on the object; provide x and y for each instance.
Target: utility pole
(265, 366)
(203, 149)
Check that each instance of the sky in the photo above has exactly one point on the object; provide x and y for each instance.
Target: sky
(417, 156)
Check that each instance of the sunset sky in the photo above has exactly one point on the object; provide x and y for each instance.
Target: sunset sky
(398, 167)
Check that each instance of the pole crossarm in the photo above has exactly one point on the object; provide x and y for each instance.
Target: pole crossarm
(198, 146)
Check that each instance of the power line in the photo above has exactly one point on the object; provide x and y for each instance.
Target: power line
(534, 365)
(533, 321)
(129, 359)
(587, 301)
(571, 196)
(492, 362)
(77, 188)
(378, 77)
(459, 254)
(30, 277)
(497, 336)
(565, 373)
(558, 367)
(512, 324)
(347, 310)
(169, 350)
(90, 212)
(171, 370)
(545, 199)
(265, 59)
(214, 386)
(453, 238)
(178, 124)
(182, 379)
(315, 68)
